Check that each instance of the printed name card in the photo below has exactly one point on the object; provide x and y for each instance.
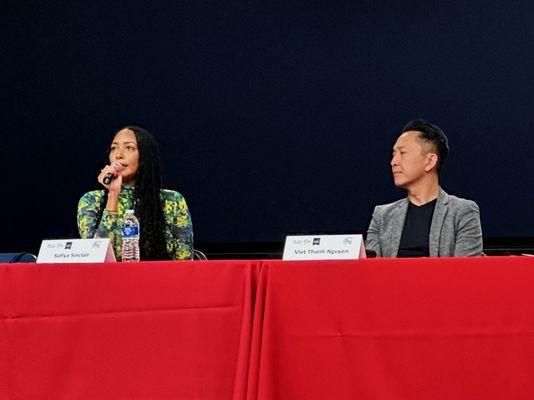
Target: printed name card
(324, 247)
(76, 251)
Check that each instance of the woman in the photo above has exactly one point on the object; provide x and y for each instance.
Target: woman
(165, 224)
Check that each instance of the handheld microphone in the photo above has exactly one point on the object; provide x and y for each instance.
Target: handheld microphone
(110, 175)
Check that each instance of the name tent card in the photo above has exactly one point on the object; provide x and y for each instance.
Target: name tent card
(324, 247)
(76, 251)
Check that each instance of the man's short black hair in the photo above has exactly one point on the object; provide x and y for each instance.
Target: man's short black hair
(433, 134)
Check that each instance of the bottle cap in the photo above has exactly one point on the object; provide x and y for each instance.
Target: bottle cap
(129, 212)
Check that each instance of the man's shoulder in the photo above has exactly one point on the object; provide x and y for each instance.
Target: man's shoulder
(387, 208)
(461, 204)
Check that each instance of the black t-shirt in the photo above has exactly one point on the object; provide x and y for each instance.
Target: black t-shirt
(416, 230)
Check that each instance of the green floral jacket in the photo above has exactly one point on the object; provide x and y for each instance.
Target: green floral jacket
(178, 226)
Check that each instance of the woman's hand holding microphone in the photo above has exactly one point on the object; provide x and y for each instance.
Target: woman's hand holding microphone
(111, 179)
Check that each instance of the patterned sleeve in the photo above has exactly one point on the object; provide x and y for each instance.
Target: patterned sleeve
(88, 207)
(181, 227)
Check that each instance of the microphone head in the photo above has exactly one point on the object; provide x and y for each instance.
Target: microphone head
(117, 166)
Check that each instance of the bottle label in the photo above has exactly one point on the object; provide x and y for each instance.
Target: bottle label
(128, 231)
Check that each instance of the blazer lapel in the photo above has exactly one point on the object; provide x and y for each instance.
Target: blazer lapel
(437, 222)
(397, 225)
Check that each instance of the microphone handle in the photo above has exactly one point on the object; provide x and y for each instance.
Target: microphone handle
(110, 175)
(108, 178)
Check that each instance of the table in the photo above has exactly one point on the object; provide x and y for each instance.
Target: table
(367, 329)
(148, 331)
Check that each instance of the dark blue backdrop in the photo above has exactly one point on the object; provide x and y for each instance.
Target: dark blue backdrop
(271, 117)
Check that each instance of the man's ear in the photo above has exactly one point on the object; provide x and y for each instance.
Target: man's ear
(431, 161)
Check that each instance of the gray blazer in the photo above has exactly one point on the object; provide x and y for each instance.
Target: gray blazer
(455, 229)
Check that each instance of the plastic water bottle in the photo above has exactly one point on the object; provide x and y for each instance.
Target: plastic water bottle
(130, 237)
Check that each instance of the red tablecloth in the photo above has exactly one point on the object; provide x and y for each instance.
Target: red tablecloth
(399, 329)
(370, 329)
(147, 331)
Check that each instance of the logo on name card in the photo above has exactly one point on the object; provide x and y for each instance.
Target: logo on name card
(316, 241)
(68, 245)
(347, 241)
(96, 245)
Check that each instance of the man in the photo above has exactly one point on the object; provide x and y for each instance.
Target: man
(428, 222)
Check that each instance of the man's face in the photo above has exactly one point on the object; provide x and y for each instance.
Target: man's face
(411, 160)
